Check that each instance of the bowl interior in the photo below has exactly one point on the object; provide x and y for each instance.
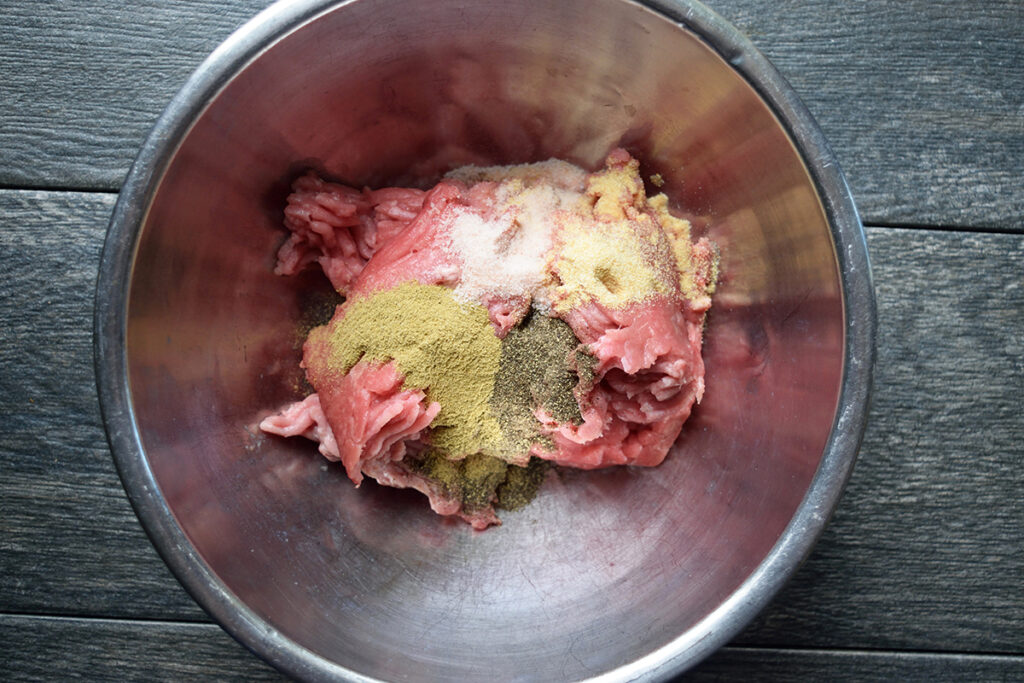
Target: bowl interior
(605, 567)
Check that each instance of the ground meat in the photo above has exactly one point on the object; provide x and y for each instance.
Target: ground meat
(638, 361)
(304, 418)
(341, 228)
(372, 416)
(648, 375)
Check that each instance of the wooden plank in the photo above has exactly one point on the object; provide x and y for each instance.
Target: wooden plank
(926, 549)
(921, 100)
(47, 648)
(780, 665)
(70, 542)
(924, 553)
(87, 80)
(51, 648)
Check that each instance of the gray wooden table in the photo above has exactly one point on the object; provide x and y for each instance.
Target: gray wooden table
(920, 574)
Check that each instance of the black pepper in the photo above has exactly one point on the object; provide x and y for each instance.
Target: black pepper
(538, 368)
(542, 365)
(521, 484)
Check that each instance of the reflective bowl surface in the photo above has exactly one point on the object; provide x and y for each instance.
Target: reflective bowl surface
(619, 574)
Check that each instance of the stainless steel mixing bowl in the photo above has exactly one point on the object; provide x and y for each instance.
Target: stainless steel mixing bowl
(619, 574)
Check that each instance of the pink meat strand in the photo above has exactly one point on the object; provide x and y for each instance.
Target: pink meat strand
(341, 228)
(648, 376)
(379, 421)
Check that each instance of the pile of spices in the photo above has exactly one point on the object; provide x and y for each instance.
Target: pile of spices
(608, 262)
(445, 347)
(560, 239)
(536, 372)
(678, 232)
(521, 484)
(478, 480)
(488, 389)
(503, 250)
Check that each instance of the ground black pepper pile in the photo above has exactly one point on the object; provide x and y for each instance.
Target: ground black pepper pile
(536, 371)
(477, 479)
(542, 365)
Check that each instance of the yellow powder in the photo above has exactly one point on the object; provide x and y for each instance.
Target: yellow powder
(678, 232)
(615, 253)
(606, 261)
(615, 190)
(442, 346)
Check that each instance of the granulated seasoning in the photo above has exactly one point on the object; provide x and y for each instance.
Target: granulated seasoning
(535, 371)
(478, 480)
(521, 484)
(445, 347)
(489, 389)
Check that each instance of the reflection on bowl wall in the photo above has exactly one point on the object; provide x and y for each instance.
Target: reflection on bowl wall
(621, 572)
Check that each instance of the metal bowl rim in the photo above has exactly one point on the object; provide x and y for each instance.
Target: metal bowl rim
(110, 321)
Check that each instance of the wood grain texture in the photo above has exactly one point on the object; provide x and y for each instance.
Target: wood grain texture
(69, 541)
(48, 648)
(83, 82)
(929, 536)
(780, 666)
(922, 101)
(925, 551)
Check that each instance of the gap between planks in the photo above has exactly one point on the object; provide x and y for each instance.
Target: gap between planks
(858, 651)
(981, 229)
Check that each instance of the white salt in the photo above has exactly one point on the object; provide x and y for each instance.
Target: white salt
(505, 253)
